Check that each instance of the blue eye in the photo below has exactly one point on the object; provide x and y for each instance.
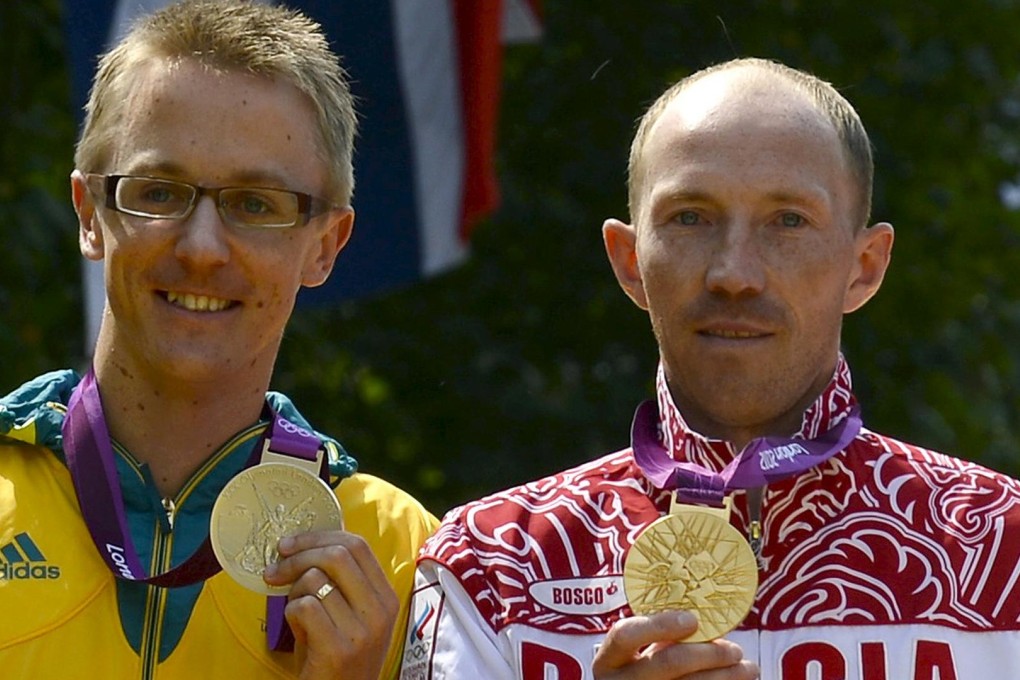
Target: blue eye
(255, 205)
(791, 220)
(158, 194)
(688, 217)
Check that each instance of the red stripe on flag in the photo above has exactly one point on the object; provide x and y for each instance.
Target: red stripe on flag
(479, 53)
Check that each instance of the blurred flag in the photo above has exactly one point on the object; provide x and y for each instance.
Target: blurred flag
(427, 77)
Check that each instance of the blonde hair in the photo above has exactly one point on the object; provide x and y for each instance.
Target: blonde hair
(231, 35)
(836, 109)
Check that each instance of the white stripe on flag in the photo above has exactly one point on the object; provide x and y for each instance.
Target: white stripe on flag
(519, 22)
(427, 61)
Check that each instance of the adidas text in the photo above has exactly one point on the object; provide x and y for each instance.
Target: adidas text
(10, 572)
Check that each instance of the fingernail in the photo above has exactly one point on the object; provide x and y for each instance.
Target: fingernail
(686, 619)
(286, 543)
(270, 571)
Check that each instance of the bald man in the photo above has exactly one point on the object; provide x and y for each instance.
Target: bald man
(749, 240)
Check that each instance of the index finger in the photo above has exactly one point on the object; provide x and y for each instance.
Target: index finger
(629, 636)
(331, 552)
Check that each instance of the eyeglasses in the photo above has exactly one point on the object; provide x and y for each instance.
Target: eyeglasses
(251, 207)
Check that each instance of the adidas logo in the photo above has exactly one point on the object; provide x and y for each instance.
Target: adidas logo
(22, 559)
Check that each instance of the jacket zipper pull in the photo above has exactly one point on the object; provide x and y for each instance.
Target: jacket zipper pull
(166, 518)
(754, 537)
(169, 508)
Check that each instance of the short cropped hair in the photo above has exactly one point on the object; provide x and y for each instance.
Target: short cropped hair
(231, 35)
(836, 109)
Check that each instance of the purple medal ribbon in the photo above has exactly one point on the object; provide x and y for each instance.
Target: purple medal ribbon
(762, 461)
(90, 460)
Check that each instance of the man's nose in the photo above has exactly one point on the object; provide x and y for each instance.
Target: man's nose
(736, 267)
(204, 237)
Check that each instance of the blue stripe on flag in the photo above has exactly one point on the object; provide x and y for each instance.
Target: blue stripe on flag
(87, 27)
(383, 252)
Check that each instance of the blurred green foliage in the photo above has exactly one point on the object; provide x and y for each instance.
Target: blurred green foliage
(529, 358)
(40, 322)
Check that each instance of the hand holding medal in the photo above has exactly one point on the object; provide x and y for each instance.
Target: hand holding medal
(277, 529)
(281, 496)
(260, 506)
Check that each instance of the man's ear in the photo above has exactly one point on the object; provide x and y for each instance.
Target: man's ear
(90, 232)
(621, 247)
(873, 251)
(331, 241)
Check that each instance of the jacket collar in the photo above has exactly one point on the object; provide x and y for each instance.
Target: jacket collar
(685, 444)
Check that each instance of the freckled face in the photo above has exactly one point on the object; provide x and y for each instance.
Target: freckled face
(746, 251)
(198, 298)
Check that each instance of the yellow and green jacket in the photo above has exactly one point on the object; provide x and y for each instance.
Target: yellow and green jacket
(64, 615)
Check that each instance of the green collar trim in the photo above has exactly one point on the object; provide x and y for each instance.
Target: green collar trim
(34, 414)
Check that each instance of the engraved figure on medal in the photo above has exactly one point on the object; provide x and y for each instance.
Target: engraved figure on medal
(693, 559)
(269, 526)
(257, 508)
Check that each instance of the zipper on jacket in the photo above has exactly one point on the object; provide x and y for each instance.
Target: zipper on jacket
(754, 537)
(156, 597)
(169, 508)
(164, 507)
(164, 510)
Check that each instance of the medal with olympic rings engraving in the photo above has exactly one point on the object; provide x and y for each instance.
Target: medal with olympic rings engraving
(257, 508)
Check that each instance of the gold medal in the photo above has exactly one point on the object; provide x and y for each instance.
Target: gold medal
(257, 508)
(693, 559)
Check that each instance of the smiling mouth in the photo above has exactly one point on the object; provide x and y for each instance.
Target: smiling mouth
(198, 303)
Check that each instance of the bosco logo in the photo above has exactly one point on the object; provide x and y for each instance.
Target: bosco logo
(599, 595)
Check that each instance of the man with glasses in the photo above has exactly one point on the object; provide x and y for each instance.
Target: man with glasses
(256, 207)
(213, 179)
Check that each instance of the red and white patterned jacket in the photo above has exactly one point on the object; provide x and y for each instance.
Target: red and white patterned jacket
(887, 562)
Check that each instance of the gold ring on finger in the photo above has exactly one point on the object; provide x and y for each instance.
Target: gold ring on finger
(324, 591)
